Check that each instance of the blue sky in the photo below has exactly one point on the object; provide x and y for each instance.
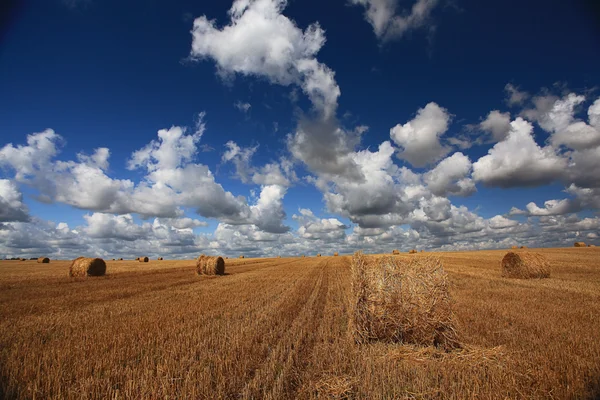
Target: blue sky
(295, 127)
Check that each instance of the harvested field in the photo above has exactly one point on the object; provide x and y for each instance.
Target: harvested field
(278, 328)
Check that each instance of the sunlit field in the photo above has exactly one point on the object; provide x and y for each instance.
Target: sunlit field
(278, 329)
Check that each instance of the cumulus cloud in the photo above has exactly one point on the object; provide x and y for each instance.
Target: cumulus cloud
(419, 138)
(497, 124)
(514, 96)
(12, 208)
(259, 40)
(451, 176)
(519, 161)
(313, 228)
(389, 24)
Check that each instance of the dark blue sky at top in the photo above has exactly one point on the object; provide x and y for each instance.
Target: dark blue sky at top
(112, 73)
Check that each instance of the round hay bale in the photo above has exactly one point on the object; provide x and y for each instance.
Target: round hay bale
(319, 255)
(242, 256)
(82, 266)
(43, 260)
(412, 251)
(514, 247)
(278, 256)
(592, 245)
(143, 259)
(579, 244)
(159, 258)
(335, 254)
(422, 251)
(121, 259)
(525, 265)
(401, 300)
(395, 252)
(206, 265)
(523, 247)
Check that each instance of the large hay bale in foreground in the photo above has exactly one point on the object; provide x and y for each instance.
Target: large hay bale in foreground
(400, 300)
(43, 260)
(525, 265)
(579, 244)
(143, 259)
(395, 252)
(207, 265)
(82, 266)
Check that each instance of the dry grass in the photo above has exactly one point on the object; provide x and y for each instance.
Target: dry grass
(405, 301)
(278, 329)
(525, 265)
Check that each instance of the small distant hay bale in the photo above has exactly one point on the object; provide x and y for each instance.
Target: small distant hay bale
(514, 247)
(207, 265)
(422, 251)
(412, 251)
(398, 300)
(121, 259)
(43, 260)
(303, 256)
(579, 244)
(278, 256)
(335, 254)
(525, 265)
(319, 255)
(523, 247)
(143, 259)
(592, 245)
(241, 256)
(113, 259)
(395, 252)
(82, 266)
(159, 258)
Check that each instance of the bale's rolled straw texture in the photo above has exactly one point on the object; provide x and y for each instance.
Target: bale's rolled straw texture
(335, 254)
(319, 255)
(43, 260)
(207, 265)
(143, 259)
(160, 259)
(525, 265)
(242, 256)
(121, 259)
(412, 251)
(82, 266)
(400, 300)
(579, 244)
(395, 252)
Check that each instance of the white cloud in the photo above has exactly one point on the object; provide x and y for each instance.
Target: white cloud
(451, 176)
(419, 138)
(519, 161)
(260, 41)
(12, 208)
(243, 107)
(514, 96)
(388, 24)
(497, 124)
(313, 228)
